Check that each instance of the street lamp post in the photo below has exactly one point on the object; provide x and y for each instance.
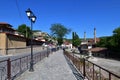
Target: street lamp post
(32, 18)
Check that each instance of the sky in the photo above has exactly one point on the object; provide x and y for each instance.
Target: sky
(78, 15)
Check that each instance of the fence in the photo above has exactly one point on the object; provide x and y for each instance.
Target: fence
(11, 68)
(90, 70)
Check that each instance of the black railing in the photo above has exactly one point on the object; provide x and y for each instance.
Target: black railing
(90, 70)
(11, 68)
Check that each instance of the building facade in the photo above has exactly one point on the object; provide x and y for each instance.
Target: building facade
(8, 39)
(13, 43)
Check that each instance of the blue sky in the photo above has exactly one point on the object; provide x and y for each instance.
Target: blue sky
(79, 15)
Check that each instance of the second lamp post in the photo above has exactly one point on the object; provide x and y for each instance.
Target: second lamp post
(32, 18)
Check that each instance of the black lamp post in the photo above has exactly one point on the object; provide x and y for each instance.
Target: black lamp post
(32, 18)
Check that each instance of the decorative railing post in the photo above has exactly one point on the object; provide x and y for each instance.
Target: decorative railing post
(93, 72)
(8, 69)
(47, 52)
(109, 76)
(27, 61)
(20, 65)
(73, 58)
(84, 68)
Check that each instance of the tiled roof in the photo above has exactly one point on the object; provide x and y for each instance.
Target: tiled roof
(98, 49)
(3, 24)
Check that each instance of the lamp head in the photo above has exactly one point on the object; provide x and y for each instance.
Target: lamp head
(33, 18)
(30, 15)
(28, 12)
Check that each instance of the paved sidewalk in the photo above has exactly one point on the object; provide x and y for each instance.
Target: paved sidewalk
(54, 67)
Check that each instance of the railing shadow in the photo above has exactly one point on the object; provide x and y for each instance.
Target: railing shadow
(12, 68)
(90, 70)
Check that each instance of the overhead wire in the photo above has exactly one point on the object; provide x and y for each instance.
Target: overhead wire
(17, 5)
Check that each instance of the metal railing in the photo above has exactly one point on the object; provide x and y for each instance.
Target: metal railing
(11, 68)
(90, 70)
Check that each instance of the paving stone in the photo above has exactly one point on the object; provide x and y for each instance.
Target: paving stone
(54, 67)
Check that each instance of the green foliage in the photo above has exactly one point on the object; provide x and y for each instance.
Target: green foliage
(117, 31)
(24, 30)
(112, 42)
(116, 39)
(59, 31)
(60, 41)
(103, 42)
(116, 36)
(75, 40)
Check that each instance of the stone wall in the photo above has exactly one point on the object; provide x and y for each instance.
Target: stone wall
(2, 43)
(14, 44)
(9, 41)
(15, 41)
(24, 50)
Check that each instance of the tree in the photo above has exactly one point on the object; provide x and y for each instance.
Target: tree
(112, 42)
(24, 30)
(116, 38)
(103, 42)
(76, 40)
(59, 31)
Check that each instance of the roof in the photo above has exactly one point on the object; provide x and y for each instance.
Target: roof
(66, 42)
(3, 24)
(98, 49)
(92, 40)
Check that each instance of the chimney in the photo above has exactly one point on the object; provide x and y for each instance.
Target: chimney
(94, 35)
